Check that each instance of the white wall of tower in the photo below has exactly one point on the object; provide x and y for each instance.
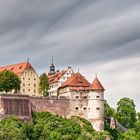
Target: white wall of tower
(96, 109)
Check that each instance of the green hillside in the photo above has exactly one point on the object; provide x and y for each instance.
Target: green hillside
(46, 126)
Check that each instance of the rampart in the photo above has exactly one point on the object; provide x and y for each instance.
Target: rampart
(21, 106)
(17, 105)
(60, 106)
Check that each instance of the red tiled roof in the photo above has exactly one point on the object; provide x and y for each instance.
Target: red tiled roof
(76, 80)
(96, 85)
(18, 69)
(55, 77)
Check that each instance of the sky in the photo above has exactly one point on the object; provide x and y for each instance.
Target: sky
(97, 36)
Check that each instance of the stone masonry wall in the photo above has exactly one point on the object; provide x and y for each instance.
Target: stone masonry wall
(60, 106)
(16, 105)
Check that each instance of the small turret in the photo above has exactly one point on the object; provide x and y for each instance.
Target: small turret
(52, 68)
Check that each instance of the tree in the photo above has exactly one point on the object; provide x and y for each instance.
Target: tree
(43, 85)
(130, 135)
(109, 111)
(126, 113)
(11, 129)
(9, 81)
(138, 116)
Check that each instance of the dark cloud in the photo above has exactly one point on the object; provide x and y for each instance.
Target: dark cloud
(90, 34)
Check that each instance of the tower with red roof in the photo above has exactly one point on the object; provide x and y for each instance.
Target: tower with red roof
(96, 105)
(87, 100)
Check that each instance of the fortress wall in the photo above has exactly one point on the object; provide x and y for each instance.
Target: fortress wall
(21, 106)
(16, 105)
(59, 106)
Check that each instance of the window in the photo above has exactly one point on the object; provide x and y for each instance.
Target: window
(23, 84)
(98, 108)
(28, 89)
(97, 96)
(34, 91)
(34, 85)
(23, 78)
(28, 84)
(76, 97)
(34, 78)
(28, 78)
(85, 97)
(84, 108)
(76, 108)
(23, 90)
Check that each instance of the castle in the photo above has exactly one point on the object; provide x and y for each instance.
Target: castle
(70, 94)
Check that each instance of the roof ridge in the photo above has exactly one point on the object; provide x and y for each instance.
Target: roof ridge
(13, 64)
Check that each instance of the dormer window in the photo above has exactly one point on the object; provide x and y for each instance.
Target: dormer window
(20, 67)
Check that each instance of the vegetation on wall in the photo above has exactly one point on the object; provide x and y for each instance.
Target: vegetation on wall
(9, 81)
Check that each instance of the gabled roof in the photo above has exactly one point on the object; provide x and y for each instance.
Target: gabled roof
(96, 85)
(18, 69)
(55, 77)
(76, 80)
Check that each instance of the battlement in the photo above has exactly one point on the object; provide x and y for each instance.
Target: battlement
(13, 95)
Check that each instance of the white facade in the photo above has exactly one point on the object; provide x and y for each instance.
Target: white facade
(55, 85)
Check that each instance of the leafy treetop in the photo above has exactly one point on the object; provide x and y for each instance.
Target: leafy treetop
(9, 81)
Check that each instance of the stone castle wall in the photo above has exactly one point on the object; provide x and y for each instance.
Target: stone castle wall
(17, 105)
(54, 105)
(22, 105)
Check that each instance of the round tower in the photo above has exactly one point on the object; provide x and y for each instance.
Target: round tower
(96, 105)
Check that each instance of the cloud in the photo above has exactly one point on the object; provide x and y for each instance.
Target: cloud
(97, 36)
(119, 77)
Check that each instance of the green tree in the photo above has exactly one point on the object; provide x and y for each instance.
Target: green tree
(126, 113)
(43, 85)
(11, 129)
(138, 116)
(9, 81)
(109, 111)
(130, 135)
